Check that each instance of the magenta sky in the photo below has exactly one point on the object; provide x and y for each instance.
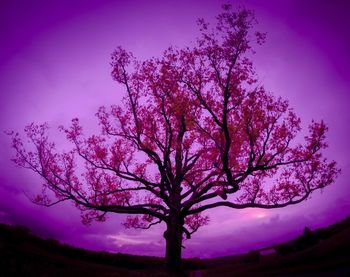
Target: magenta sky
(54, 65)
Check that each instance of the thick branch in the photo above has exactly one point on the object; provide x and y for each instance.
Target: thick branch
(246, 205)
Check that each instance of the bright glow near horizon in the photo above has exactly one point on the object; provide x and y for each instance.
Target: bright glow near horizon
(260, 215)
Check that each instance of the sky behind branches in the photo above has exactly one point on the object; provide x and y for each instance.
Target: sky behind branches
(55, 65)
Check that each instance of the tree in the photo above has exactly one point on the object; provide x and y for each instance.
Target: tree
(195, 131)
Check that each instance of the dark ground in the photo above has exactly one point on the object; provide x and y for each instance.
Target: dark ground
(324, 252)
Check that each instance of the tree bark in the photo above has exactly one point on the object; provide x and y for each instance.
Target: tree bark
(173, 237)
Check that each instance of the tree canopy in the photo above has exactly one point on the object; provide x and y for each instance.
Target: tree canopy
(195, 131)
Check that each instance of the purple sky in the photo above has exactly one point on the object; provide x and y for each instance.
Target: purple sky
(54, 65)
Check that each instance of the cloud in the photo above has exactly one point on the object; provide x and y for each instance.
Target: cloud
(126, 239)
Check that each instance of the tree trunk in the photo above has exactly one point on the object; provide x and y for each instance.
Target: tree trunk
(173, 237)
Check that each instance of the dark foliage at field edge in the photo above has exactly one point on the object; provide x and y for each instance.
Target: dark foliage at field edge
(24, 253)
(324, 252)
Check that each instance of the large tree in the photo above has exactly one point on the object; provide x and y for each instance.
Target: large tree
(195, 131)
